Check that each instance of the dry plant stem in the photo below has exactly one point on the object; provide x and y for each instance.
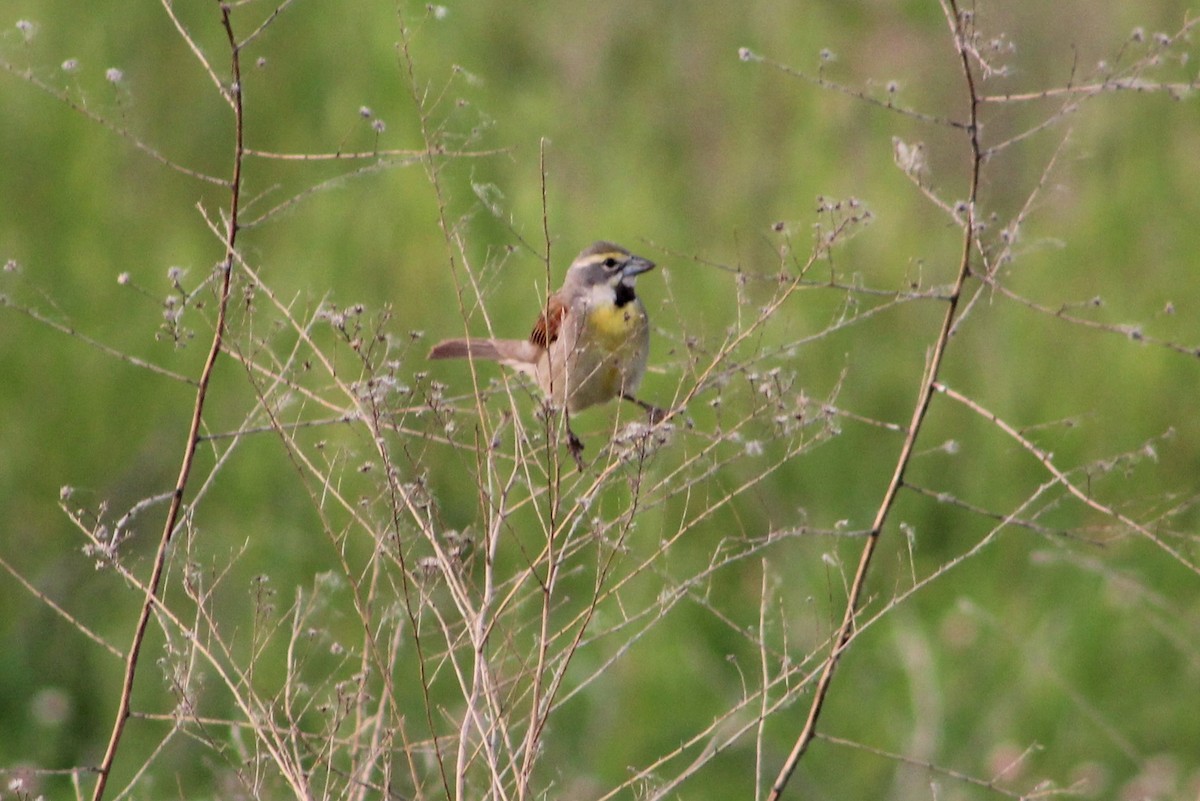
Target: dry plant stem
(363, 600)
(547, 583)
(454, 787)
(54, 607)
(108, 124)
(765, 677)
(791, 680)
(928, 382)
(991, 784)
(1048, 463)
(234, 95)
(417, 155)
(107, 350)
(252, 708)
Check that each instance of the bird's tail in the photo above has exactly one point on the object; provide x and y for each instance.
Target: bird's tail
(519, 354)
(466, 349)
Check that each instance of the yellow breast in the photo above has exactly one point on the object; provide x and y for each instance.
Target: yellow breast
(607, 355)
(611, 326)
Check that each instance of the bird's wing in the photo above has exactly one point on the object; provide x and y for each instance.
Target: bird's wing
(546, 329)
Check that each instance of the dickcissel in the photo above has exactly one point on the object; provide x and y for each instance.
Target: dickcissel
(589, 345)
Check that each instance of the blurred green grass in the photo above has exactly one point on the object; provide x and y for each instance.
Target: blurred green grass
(656, 135)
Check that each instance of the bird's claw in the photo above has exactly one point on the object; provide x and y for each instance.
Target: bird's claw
(575, 446)
(656, 415)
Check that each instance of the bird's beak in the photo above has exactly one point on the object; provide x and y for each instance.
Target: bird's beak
(636, 266)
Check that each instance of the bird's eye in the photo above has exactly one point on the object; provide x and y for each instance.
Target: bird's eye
(610, 262)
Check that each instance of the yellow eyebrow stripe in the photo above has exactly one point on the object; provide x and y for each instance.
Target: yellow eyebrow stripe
(597, 258)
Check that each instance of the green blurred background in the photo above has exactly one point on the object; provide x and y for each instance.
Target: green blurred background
(654, 134)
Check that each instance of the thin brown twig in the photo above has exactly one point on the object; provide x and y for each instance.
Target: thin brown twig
(266, 23)
(152, 586)
(251, 708)
(197, 51)
(371, 652)
(795, 677)
(107, 350)
(824, 83)
(764, 664)
(553, 563)
(104, 122)
(1120, 329)
(966, 778)
(57, 609)
(1132, 84)
(329, 184)
(924, 395)
(372, 154)
(449, 784)
(1131, 81)
(1047, 462)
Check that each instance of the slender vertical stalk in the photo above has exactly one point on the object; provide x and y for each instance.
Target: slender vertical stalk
(924, 394)
(132, 659)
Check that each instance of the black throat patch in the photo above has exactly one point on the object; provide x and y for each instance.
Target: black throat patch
(624, 294)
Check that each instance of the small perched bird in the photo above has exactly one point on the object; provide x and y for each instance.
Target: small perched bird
(589, 345)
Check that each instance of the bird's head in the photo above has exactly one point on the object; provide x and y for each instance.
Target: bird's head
(606, 264)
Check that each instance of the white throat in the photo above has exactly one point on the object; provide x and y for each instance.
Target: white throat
(601, 295)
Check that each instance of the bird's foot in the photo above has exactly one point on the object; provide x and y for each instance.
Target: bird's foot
(656, 415)
(653, 413)
(575, 446)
